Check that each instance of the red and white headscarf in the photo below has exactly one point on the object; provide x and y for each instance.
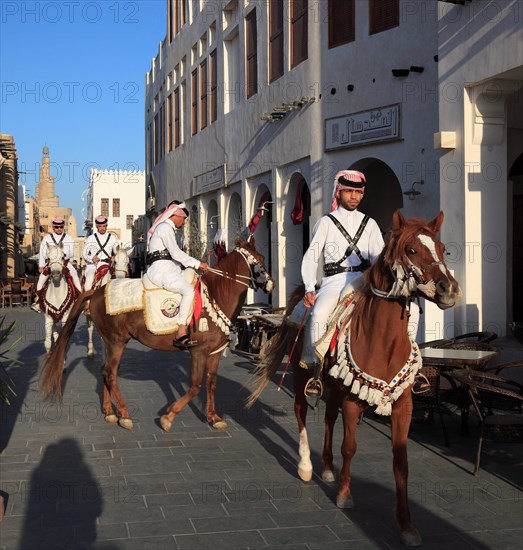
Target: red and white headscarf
(171, 210)
(347, 177)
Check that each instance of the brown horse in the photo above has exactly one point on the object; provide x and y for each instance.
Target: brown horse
(375, 361)
(224, 289)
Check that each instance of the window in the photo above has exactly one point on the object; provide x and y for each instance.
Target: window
(184, 12)
(156, 129)
(104, 207)
(129, 220)
(299, 31)
(251, 53)
(341, 22)
(176, 117)
(383, 15)
(213, 85)
(194, 102)
(203, 94)
(170, 123)
(170, 19)
(162, 133)
(116, 208)
(275, 39)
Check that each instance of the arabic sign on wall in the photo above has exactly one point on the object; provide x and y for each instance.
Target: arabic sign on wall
(381, 124)
(209, 181)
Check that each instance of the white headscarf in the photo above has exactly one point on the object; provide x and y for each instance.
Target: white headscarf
(171, 210)
(351, 175)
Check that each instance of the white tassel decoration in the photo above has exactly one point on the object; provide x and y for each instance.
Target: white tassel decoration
(355, 387)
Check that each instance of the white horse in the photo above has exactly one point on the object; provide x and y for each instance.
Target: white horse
(59, 296)
(117, 270)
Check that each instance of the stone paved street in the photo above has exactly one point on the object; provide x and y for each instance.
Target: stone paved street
(71, 481)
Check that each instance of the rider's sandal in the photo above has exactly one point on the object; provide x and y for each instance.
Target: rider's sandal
(314, 388)
(184, 342)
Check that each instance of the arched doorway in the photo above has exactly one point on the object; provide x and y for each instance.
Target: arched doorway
(383, 191)
(263, 204)
(296, 230)
(516, 176)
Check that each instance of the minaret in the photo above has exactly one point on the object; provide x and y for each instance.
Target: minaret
(45, 196)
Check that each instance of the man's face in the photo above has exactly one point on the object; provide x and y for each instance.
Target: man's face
(178, 220)
(350, 198)
(58, 230)
(101, 228)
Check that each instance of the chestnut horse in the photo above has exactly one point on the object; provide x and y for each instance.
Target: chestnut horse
(376, 361)
(224, 289)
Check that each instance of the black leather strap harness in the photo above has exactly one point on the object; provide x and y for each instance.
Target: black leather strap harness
(336, 267)
(102, 248)
(60, 240)
(157, 255)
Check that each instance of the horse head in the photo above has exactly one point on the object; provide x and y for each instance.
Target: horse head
(413, 262)
(121, 261)
(55, 261)
(260, 277)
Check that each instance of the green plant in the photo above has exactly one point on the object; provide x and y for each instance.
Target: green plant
(6, 384)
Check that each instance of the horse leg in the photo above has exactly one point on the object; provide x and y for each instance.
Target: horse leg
(197, 368)
(400, 422)
(48, 333)
(331, 415)
(90, 330)
(212, 416)
(111, 389)
(350, 413)
(300, 377)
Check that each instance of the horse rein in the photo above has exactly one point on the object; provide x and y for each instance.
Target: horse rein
(250, 260)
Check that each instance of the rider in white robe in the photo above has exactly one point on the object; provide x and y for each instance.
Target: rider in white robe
(57, 236)
(99, 247)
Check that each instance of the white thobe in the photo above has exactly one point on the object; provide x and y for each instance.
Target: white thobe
(68, 248)
(92, 248)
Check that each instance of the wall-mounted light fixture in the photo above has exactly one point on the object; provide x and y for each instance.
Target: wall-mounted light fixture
(416, 69)
(213, 224)
(400, 72)
(412, 193)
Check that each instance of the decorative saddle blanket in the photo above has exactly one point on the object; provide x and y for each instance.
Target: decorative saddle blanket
(160, 306)
(336, 342)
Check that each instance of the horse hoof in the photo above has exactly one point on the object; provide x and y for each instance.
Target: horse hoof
(111, 418)
(411, 538)
(305, 475)
(126, 423)
(328, 476)
(220, 425)
(90, 355)
(165, 423)
(345, 502)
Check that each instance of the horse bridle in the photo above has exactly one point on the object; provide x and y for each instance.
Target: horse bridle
(57, 261)
(256, 279)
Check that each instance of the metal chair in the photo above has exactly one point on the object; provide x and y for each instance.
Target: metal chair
(502, 423)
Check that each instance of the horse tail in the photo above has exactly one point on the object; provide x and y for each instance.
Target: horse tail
(275, 349)
(51, 377)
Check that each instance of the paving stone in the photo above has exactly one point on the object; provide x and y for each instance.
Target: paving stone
(196, 488)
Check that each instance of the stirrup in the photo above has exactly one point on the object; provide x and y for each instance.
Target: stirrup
(36, 307)
(313, 388)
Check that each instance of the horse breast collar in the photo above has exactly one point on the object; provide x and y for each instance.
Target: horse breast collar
(368, 388)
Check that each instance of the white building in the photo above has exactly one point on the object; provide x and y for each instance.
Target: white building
(119, 195)
(480, 141)
(253, 100)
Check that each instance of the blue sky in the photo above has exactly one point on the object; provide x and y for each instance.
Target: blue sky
(72, 77)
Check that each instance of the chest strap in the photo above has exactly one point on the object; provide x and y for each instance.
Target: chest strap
(102, 246)
(335, 267)
(60, 240)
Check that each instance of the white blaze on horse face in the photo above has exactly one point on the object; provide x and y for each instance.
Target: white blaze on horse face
(429, 243)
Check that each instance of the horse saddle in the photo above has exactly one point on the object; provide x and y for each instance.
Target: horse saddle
(160, 306)
(336, 320)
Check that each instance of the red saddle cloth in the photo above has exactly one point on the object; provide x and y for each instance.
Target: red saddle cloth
(72, 292)
(198, 305)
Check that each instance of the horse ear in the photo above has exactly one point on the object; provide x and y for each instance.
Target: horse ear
(436, 223)
(398, 221)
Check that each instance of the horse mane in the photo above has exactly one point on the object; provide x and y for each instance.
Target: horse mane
(379, 274)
